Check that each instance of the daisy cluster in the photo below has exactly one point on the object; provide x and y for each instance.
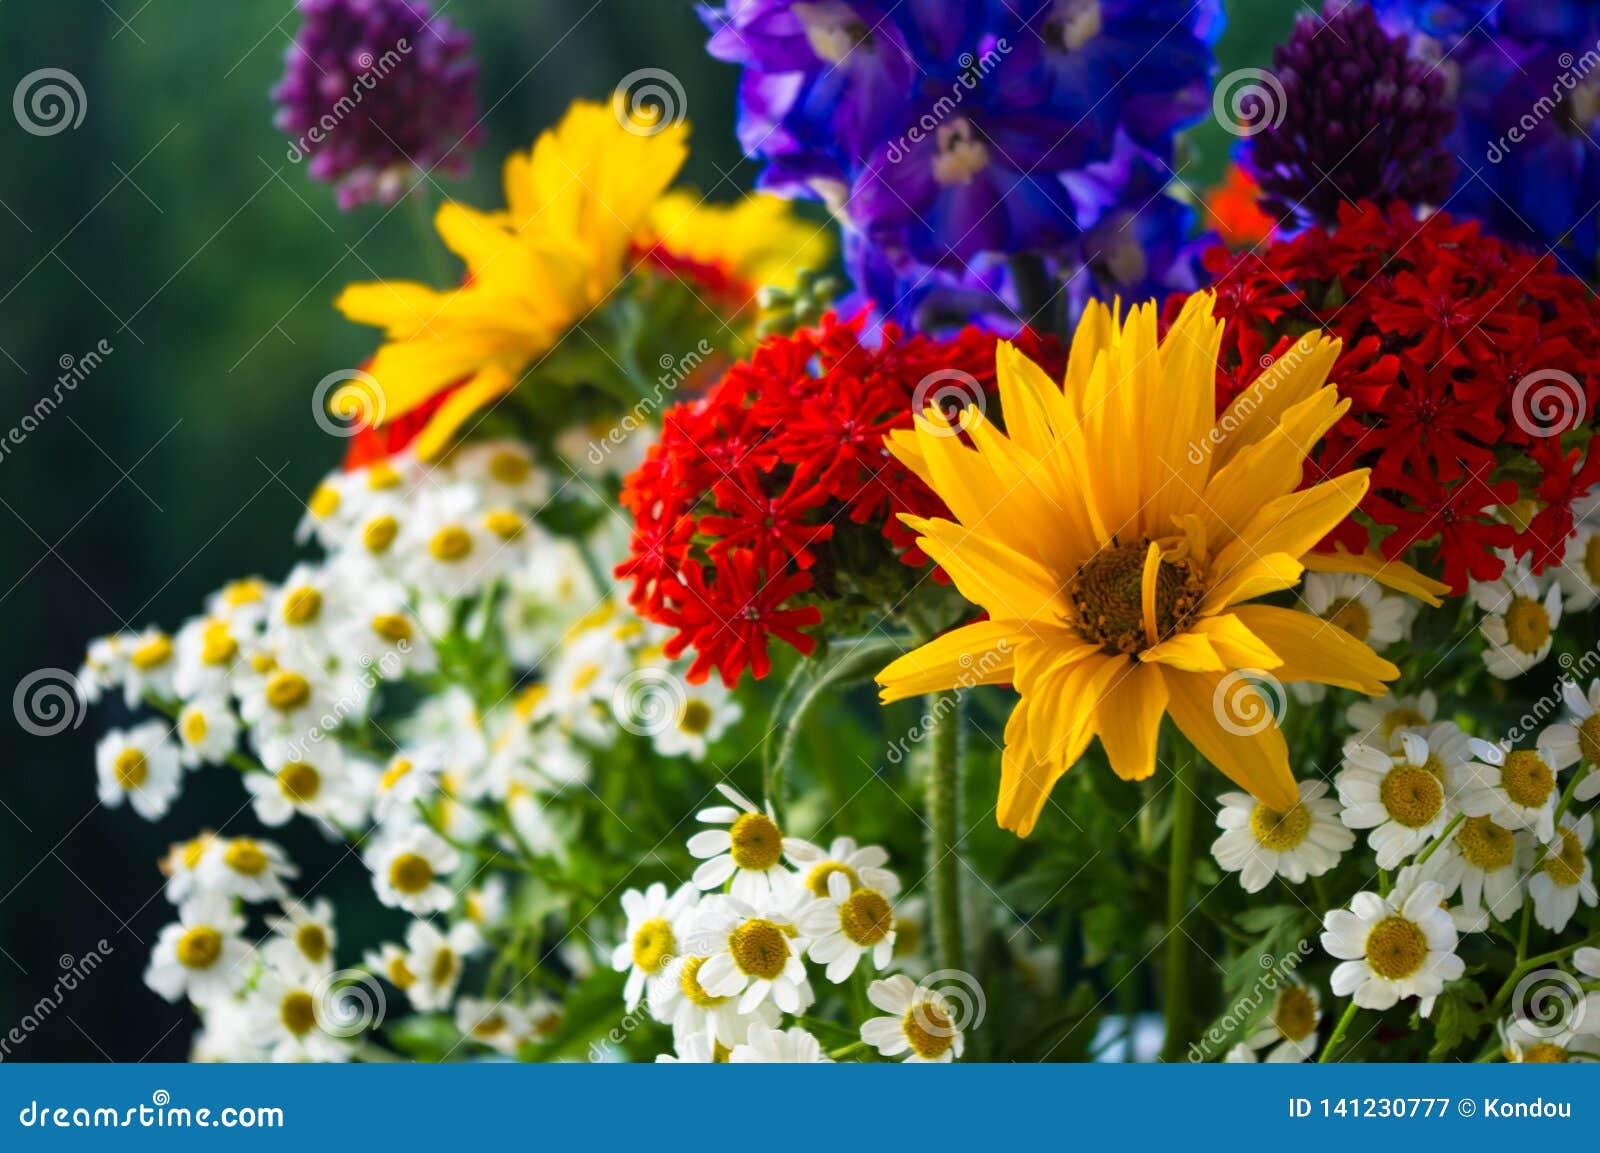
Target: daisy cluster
(429, 691)
(727, 958)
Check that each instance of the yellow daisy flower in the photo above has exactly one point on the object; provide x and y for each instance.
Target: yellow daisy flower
(583, 207)
(1115, 533)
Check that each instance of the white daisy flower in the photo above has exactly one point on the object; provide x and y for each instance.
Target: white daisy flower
(1562, 874)
(1240, 1054)
(679, 1000)
(911, 935)
(861, 865)
(1532, 1043)
(202, 956)
(1379, 721)
(303, 936)
(764, 1046)
(1523, 615)
(304, 613)
(428, 969)
(249, 869)
(227, 1035)
(848, 924)
(1517, 788)
(703, 715)
(151, 666)
(1577, 742)
(753, 950)
(1402, 797)
(498, 1024)
(750, 850)
(242, 602)
(293, 1017)
(208, 731)
(183, 864)
(545, 594)
(411, 775)
(408, 870)
(656, 921)
(1586, 962)
(105, 664)
(140, 766)
(284, 698)
(503, 470)
(311, 778)
(1391, 952)
(1289, 1032)
(485, 906)
(921, 1022)
(447, 551)
(383, 636)
(694, 1049)
(1259, 842)
(1360, 606)
(1480, 861)
(1579, 571)
(209, 648)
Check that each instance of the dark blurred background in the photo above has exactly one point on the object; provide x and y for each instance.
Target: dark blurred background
(170, 226)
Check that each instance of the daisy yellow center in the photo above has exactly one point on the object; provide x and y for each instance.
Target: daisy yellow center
(696, 718)
(865, 917)
(312, 941)
(1350, 615)
(1108, 596)
(199, 948)
(653, 945)
(324, 502)
(302, 606)
(817, 879)
(246, 857)
(217, 646)
(394, 774)
(490, 1026)
(451, 543)
(445, 967)
(689, 982)
(1396, 948)
(1295, 1014)
(1544, 1053)
(1402, 718)
(400, 974)
(237, 594)
(1485, 845)
(1280, 831)
(1527, 624)
(1589, 735)
(509, 467)
(757, 842)
(193, 851)
(961, 154)
(927, 1027)
(154, 653)
(504, 524)
(379, 533)
(298, 1012)
(1591, 559)
(410, 873)
(760, 949)
(1566, 867)
(131, 768)
(1526, 779)
(907, 937)
(299, 781)
(288, 691)
(585, 676)
(1413, 796)
(394, 627)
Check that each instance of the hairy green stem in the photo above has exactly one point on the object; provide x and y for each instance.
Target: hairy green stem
(1339, 1032)
(943, 801)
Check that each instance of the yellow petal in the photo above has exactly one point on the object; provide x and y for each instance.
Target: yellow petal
(1260, 408)
(1190, 651)
(1034, 759)
(1392, 574)
(1128, 720)
(1236, 644)
(487, 386)
(1257, 577)
(1315, 650)
(975, 654)
(987, 572)
(1292, 524)
(1252, 756)
(402, 308)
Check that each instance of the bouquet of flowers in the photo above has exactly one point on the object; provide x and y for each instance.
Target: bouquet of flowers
(1141, 511)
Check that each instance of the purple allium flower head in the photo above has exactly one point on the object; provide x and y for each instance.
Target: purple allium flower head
(374, 90)
(1360, 119)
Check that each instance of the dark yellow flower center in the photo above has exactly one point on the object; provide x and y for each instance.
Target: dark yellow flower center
(288, 691)
(400, 973)
(199, 948)
(865, 917)
(1591, 559)
(760, 949)
(927, 1026)
(689, 982)
(324, 502)
(217, 646)
(312, 941)
(757, 842)
(1589, 735)
(817, 879)
(445, 967)
(696, 718)
(194, 727)
(131, 768)
(1484, 844)
(1280, 831)
(380, 533)
(1526, 779)
(451, 543)
(1107, 596)
(1413, 796)
(1566, 867)
(1544, 1053)
(1396, 948)
(298, 1011)
(299, 782)
(509, 467)
(504, 523)
(410, 873)
(395, 627)
(1350, 615)
(154, 653)
(1405, 718)
(654, 945)
(302, 606)
(1295, 1014)
(1527, 624)
(245, 856)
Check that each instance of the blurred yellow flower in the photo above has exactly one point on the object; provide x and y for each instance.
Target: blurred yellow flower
(584, 207)
(1114, 534)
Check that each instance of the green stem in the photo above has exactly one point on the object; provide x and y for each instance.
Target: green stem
(1339, 1032)
(944, 795)
(1440, 839)
(1179, 986)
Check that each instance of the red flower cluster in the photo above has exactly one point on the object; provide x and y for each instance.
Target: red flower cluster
(1467, 362)
(743, 509)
